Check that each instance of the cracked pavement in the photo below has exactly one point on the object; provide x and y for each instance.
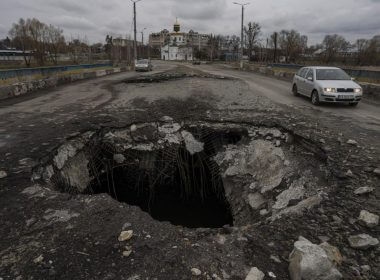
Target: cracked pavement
(46, 234)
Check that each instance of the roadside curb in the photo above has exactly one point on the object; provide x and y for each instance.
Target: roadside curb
(23, 88)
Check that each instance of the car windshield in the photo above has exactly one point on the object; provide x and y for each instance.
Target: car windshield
(332, 74)
(143, 61)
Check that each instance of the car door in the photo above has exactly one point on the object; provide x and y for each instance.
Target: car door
(301, 79)
(309, 82)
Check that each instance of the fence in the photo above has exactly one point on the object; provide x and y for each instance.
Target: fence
(47, 71)
(357, 73)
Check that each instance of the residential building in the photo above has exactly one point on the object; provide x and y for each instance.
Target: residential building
(158, 40)
(120, 42)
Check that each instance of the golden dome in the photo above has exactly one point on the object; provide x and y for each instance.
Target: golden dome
(177, 26)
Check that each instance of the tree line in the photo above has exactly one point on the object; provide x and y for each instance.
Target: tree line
(44, 43)
(290, 46)
(43, 39)
(293, 47)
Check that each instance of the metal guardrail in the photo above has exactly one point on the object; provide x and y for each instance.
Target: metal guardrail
(46, 71)
(357, 73)
(288, 66)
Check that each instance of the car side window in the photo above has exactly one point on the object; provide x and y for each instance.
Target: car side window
(310, 74)
(299, 73)
(303, 72)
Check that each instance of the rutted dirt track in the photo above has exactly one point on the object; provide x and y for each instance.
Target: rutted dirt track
(203, 145)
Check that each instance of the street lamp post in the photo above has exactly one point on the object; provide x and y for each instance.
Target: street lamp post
(143, 51)
(242, 31)
(142, 36)
(135, 29)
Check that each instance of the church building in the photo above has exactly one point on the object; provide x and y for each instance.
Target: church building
(177, 47)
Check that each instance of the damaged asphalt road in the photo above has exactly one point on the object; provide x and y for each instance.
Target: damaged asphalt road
(193, 177)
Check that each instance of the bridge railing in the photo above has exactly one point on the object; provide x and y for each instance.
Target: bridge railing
(47, 71)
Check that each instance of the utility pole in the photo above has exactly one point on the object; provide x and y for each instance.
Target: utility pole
(135, 30)
(142, 36)
(242, 31)
(275, 47)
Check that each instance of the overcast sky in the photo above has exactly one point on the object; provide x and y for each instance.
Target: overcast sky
(96, 18)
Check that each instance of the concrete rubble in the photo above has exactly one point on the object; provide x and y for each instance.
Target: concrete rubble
(3, 174)
(311, 262)
(364, 190)
(363, 241)
(294, 192)
(255, 274)
(368, 219)
(196, 272)
(256, 200)
(377, 171)
(192, 145)
(119, 158)
(125, 235)
(352, 142)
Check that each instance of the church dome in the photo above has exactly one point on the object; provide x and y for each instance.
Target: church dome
(177, 26)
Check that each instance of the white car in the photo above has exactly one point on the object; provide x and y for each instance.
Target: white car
(327, 84)
(143, 65)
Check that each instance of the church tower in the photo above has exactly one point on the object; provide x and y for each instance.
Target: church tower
(177, 26)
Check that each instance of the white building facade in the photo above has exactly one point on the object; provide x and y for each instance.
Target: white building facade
(178, 47)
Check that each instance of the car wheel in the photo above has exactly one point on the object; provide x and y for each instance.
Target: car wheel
(315, 98)
(295, 90)
(354, 104)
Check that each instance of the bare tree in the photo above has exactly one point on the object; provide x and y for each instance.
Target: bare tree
(252, 32)
(109, 46)
(293, 44)
(333, 45)
(235, 44)
(274, 43)
(56, 42)
(213, 44)
(31, 35)
(38, 33)
(78, 49)
(22, 40)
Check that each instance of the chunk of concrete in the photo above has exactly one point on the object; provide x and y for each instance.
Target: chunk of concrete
(363, 241)
(3, 174)
(119, 158)
(125, 235)
(255, 274)
(368, 219)
(196, 271)
(67, 151)
(352, 142)
(294, 192)
(363, 190)
(377, 171)
(266, 162)
(193, 146)
(298, 209)
(76, 173)
(256, 200)
(310, 262)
